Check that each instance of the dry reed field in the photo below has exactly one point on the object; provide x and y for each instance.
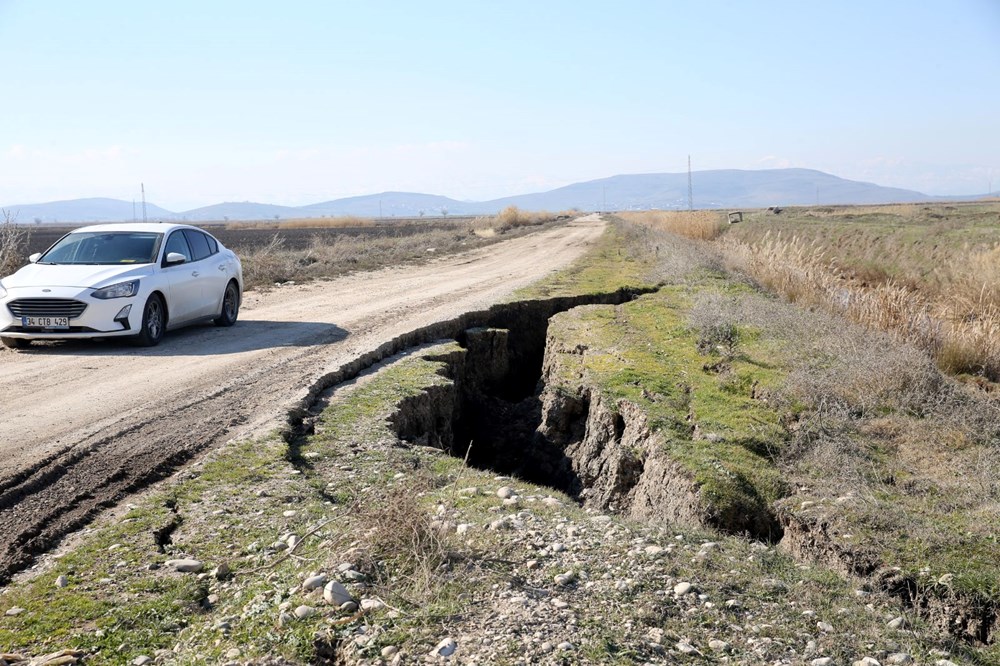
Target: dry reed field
(926, 273)
(696, 224)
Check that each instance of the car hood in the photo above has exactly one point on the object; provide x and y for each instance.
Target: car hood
(76, 275)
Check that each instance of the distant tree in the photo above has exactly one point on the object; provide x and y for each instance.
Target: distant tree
(38, 220)
(421, 213)
(444, 212)
(277, 217)
(225, 218)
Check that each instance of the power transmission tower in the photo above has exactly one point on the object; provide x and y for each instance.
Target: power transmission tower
(143, 186)
(690, 187)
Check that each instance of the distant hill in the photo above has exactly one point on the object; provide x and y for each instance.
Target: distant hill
(726, 188)
(86, 210)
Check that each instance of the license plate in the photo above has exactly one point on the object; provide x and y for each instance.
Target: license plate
(45, 322)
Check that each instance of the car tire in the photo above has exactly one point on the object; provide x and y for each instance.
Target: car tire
(15, 343)
(230, 306)
(154, 322)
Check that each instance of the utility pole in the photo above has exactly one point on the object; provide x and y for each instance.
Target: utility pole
(380, 209)
(604, 200)
(690, 187)
(133, 209)
(143, 186)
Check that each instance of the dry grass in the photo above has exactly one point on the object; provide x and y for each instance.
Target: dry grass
(956, 319)
(696, 224)
(13, 241)
(339, 222)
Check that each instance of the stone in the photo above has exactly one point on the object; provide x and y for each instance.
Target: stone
(895, 623)
(389, 651)
(821, 661)
(944, 662)
(565, 579)
(312, 582)
(303, 612)
(463, 528)
(62, 581)
(680, 589)
(371, 604)
(566, 646)
(14, 610)
(718, 646)
(349, 607)
(353, 576)
(505, 492)
(336, 594)
(142, 660)
(221, 572)
(289, 514)
(825, 627)
(445, 648)
(867, 661)
(185, 565)
(899, 658)
(233, 653)
(686, 648)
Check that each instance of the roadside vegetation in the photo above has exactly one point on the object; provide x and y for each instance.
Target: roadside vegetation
(13, 243)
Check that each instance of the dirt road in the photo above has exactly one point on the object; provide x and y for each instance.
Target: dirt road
(82, 424)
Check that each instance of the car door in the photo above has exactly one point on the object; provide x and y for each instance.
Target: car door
(184, 298)
(213, 274)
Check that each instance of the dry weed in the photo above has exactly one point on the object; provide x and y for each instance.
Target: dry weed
(13, 241)
(697, 224)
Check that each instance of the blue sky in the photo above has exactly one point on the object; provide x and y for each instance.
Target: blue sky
(300, 102)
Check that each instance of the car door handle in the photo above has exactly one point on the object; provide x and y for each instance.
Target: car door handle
(222, 267)
(195, 273)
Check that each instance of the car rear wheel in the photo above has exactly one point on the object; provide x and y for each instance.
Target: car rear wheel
(15, 343)
(230, 306)
(154, 322)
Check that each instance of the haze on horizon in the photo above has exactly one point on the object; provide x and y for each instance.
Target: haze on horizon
(299, 103)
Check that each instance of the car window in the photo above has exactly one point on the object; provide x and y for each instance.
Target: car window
(177, 243)
(199, 244)
(103, 248)
(212, 244)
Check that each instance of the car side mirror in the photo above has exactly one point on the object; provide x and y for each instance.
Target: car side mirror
(32, 258)
(174, 258)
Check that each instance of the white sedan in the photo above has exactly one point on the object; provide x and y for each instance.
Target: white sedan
(136, 280)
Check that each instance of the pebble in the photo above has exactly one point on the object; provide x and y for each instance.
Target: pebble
(471, 491)
(895, 623)
(463, 528)
(445, 648)
(565, 579)
(899, 658)
(62, 581)
(371, 604)
(944, 662)
(686, 648)
(551, 502)
(566, 646)
(15, 610)
(354, 576)
(185, 565)
(825, 627)
(821, 661)
(680, 589)
(336, 594)
(867, 661)
(389, 651)
(142, 660)
(506, 492)
(303, 612)
(718, 646)
(312, 582)
(233, 653)
(289, 514)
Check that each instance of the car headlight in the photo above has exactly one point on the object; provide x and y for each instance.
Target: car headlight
(120, 290)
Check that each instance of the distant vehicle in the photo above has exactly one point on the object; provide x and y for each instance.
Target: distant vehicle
(135, 280)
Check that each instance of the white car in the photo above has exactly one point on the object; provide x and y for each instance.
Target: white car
(110, 280)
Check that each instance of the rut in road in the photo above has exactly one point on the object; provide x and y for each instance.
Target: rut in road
(167, 406)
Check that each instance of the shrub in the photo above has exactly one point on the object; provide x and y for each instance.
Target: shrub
(13, 241)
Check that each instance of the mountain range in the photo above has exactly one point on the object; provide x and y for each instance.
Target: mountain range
(725, 188)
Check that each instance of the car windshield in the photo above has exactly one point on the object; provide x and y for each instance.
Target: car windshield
(104, 247)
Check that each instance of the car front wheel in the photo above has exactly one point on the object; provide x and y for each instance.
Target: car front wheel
(154, 322)
(230, 306)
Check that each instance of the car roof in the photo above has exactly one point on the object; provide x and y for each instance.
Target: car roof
(156, 227)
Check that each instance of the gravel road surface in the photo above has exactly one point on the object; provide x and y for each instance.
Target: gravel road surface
(83, 424)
